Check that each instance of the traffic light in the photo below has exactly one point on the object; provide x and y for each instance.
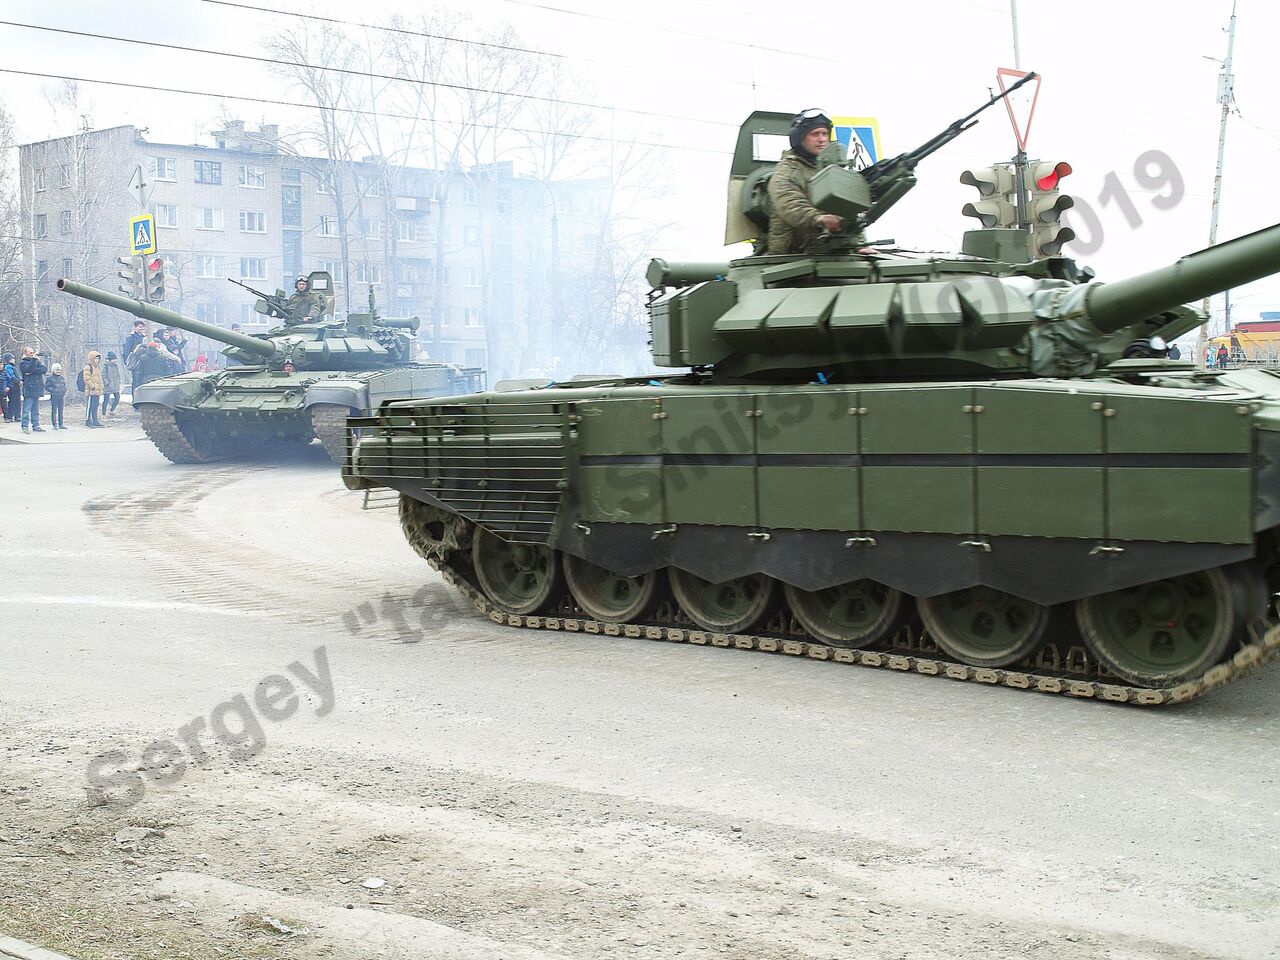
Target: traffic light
(155, 279)
(1045, 208)
(131, 274)
(995, 184)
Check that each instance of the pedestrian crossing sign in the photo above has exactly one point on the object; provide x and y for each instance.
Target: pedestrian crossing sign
(142, 235)
(861, 139)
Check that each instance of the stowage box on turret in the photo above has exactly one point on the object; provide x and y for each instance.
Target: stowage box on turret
(950, 464)
(298, 382)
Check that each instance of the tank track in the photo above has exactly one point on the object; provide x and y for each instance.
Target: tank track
(907, 653)
(161, 427)
(329, 422)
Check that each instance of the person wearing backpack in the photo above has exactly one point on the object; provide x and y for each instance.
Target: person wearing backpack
(92, 376)
(110, 385)
(56, 386)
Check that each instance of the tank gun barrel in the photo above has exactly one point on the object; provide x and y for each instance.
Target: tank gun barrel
(1197, 275)
(149, 311)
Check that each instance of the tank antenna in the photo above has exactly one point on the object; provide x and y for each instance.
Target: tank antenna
(1226, 97)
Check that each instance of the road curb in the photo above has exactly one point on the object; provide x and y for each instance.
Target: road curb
(9, 947)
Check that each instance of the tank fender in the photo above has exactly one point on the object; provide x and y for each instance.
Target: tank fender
(171, 392)
(346, 393)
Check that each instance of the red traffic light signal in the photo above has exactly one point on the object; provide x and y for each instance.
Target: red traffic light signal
(1049, 176)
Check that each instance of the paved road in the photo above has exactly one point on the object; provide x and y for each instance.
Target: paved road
(527, 794)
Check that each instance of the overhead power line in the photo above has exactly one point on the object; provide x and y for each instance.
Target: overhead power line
(403, 31)
(353, 111)
(345, 71)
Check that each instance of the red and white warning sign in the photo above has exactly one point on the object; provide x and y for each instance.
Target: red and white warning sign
(1021, 104)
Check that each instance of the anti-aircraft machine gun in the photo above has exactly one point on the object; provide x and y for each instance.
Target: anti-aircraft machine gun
(973, 465)
(292, 384)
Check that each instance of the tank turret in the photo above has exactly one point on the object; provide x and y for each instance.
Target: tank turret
(840, 313)
(363, 341)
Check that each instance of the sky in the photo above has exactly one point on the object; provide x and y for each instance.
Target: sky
(1128, 96)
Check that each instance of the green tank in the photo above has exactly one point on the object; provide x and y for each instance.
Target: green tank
(296, 383)
(974, 465)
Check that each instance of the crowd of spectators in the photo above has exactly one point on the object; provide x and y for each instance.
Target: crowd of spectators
(26, 381)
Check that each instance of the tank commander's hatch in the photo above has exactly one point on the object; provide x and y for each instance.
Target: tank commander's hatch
(321, 281)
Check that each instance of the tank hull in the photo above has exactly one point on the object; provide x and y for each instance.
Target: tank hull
(1051, 492)
(245, 406)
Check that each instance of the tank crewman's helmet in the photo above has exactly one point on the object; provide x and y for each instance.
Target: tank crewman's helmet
(806, 120)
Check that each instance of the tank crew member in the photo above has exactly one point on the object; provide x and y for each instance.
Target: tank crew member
(793, 219)
(305, 305)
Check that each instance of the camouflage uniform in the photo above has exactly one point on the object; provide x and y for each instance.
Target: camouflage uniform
(304, 307)
(793, 220)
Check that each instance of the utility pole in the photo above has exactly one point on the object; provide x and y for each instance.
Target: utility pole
(1013, 16)
(1226, 97)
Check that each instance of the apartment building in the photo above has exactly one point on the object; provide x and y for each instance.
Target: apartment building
(474, 253)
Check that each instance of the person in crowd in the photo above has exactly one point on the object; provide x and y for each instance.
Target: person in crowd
(93, 387)
(1223, 356)
(110, 385)
(56, 384)
(176, 344)
(1174, 353)
(201, 364)
(150, 361)
(134, 340)
(33, 371)
(10, 389)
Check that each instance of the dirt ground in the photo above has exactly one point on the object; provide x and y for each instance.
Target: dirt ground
(482, 792)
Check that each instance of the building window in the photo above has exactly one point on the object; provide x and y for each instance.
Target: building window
(39, 181)
(166, 214)
(253, 221)
(367, 272)
(290, 175)
(163, 168)
(208, 266)
(42, 270)
(253, 268)
(409, 273)
(66, 266)
(474, 358)
(41, 225)
(324, 183)
(248, 314)
(333, 268)
(209, 171)
(473, 277)
(64, 223)
(255, 178)
(407, 231)
(64, 174)
(369, 186)
(328, 226)
(471, 196)
(372, 229)
(471, 317)
(208, 218)
(209, 312)
(470, 234)
(290, 205)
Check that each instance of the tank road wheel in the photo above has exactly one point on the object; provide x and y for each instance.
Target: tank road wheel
(161, 426)
(518, 578)
(329, 421)
(608, 596)
(433, 533)
(1163, 633)
(984, 627)
(730, 607)
(855, 614)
